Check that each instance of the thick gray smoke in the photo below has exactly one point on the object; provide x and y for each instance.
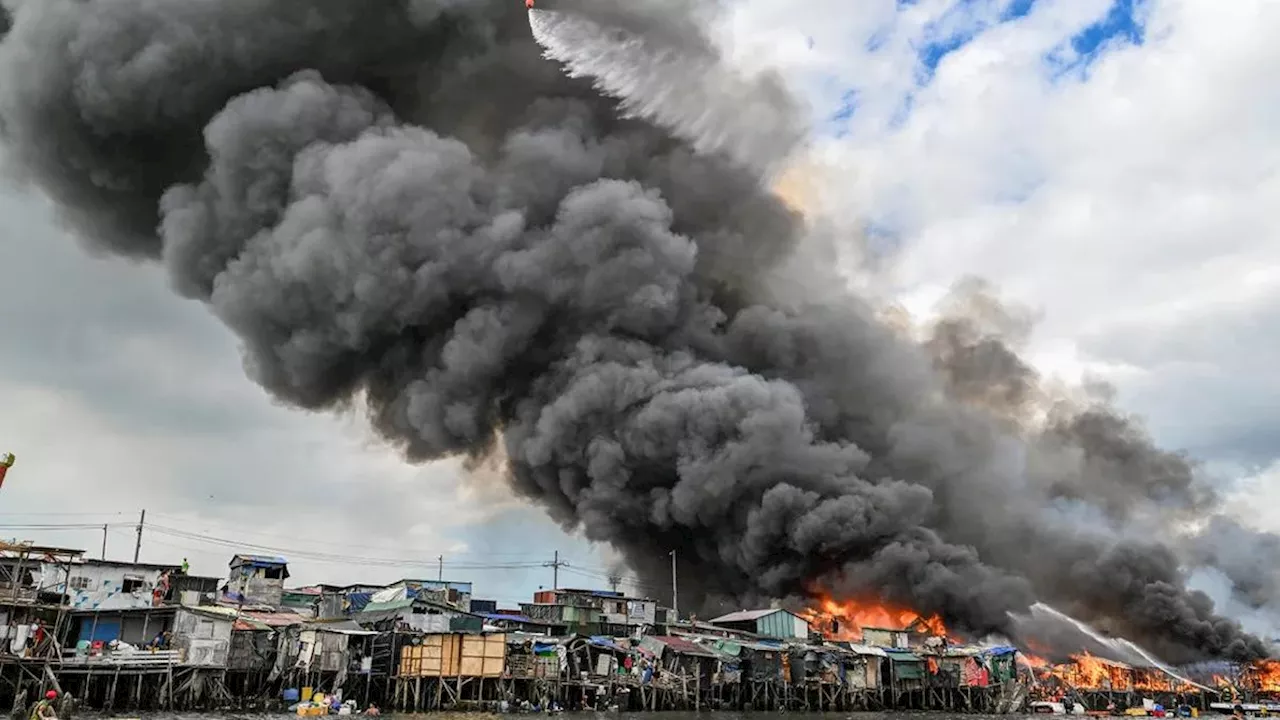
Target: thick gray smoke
(401, 199)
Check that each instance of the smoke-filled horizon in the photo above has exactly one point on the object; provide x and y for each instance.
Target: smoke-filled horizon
(401, 200)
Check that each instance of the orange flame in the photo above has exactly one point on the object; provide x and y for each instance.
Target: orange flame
(846, 620)
(1264, 676)
(1094, 673)
(1034, 661)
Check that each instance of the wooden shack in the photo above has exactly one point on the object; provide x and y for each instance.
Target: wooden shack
(451, 670)
(906, 670)
(862, 666)
(455, 655)
(533, 658)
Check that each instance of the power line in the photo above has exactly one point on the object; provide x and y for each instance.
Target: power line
(555, 566)
(65, 514)
(205, 541)
(312, 541)
(335, 557)
(56, 526)
(130, 529)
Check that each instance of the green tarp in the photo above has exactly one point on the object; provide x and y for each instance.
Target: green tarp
(906, 666)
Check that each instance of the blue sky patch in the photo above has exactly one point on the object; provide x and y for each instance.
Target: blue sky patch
(844, 114)
(1121, 25)
(1017, 9)
(1119, 22)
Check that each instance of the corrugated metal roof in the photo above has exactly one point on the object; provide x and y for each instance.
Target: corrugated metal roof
(683, 647)
(275, 619)
(511, 618)
(746, 615)
(903, 656)
(866, 650)
(240, 559)
(344, 627)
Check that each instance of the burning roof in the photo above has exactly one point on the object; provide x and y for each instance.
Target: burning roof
(846, 620)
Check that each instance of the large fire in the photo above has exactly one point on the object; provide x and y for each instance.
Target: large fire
(1087, 671)
(844, 620)
(1264, 676)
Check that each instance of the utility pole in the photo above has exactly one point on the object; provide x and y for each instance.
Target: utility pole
(137, 548)
(614, 581)
(555, 566)
(675, 595)
(104, 542)
(440, 575)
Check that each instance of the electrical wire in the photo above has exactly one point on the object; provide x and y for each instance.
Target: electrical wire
(336, 557)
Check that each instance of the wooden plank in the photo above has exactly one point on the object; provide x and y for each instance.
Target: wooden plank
(472, 646)
(492, 667)
(432, 655)
(495, 646)
(450, 655)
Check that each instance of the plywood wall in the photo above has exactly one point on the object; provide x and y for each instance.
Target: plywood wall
(454, 655)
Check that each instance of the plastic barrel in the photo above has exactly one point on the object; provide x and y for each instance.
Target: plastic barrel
(290, 695)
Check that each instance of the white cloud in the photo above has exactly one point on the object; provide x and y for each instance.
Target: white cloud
(1128, 202)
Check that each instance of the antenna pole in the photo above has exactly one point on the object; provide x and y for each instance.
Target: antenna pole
(675, 595)
(137, 548)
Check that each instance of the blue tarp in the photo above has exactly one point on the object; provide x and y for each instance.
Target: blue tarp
(1000, 651)
(356, 602)
(606, 642)
(503, 616)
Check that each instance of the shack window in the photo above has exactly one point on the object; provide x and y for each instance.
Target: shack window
(273, 573)
(79, 583)
(132, 583)
(204, 630)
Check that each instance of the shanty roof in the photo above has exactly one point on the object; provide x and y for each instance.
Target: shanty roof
(605, 594)
(902, 656)
(606, 642)
(400, 604)
(13, 550)
(747, 615)
(342, 627)
(857, 649)
(253, 619)
(681, 646)
(88, 562)
(513, 617)
(257, 561)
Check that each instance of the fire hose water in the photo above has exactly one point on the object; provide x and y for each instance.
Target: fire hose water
(1119, 645)
(751, 120)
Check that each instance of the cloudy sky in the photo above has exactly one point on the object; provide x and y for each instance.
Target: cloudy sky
(1104, 162)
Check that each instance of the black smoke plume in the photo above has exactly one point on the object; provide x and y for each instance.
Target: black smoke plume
(400, 200)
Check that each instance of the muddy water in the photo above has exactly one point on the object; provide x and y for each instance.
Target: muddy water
(720, 715)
